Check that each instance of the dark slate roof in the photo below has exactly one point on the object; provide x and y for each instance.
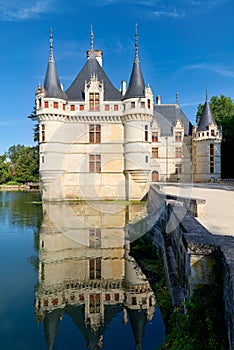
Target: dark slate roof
(206, 118)
(167, 114)
(76, 91)
(136, 87)
(52, 84)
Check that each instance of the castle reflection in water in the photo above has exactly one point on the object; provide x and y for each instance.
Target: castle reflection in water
(85, 271)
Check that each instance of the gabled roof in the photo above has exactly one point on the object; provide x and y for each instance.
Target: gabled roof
(52, 84)
(136, 87)
(76, 92)
(167, 114)
(207, 117)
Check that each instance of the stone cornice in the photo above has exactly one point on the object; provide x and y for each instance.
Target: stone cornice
(137, 116)
(79, 118)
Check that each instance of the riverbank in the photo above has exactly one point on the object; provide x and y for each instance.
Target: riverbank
(24, 187)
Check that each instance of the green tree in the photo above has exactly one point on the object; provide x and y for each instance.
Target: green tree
(223, 111)
(5, 171)
(24, 163)
(33, 117)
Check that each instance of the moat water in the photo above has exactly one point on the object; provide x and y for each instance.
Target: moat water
(67, 279)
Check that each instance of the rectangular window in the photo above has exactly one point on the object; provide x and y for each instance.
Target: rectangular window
(81, 107)
(211, 149)
(178, 136)
(95, 238)
(107, 107)
(42, 159)
(64, 106)
(178, 169)
(142, 104)
(55, 104)
(39, 103)
(42, 133)
(154, 152)
(178, 152)
(116, 107)
(94, 303)
(72, 107)
(46, 104)
(94, 163)
(94, 133)
(212, 167)
(94, 101)
(146, 159)
(212, 132)
(146, 133)
(95, 268)
(154, 136)
(148, 103)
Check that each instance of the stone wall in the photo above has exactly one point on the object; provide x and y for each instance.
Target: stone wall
(193, 256)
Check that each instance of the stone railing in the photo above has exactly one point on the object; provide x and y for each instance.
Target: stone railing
(192, 254)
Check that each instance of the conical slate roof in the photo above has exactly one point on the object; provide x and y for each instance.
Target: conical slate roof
(207, 117)
(76, 92)
(52, 84)
(136, 87)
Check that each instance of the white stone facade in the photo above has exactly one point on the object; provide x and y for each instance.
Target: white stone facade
(96, 147)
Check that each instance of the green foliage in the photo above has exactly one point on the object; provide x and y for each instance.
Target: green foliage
(33, 117)
(223, 110)
(19, 164)
(203, 326)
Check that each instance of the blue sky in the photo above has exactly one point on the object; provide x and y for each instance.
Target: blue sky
(184, 45)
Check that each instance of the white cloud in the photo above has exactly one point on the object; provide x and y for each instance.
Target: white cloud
(12, 10)
(216, 68)
(168, 13)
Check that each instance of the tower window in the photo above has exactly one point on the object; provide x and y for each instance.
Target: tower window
(81, 107)
(107, 107)
(94, 101)
(46, 104)
(64, 106)
(132, 104)
(94, 303)
(211, 149)
(95, 238)
(72, 107)
(178, 136)
(42, 133)
(148, 103)
(95, 268)
(94, 163)
(146, 133)
(116, 107)
(39, 103)
(55, 104)
(178, 152)
(154, 136)
(94, 133)
(142, 104)
(178, 169)
(212, 132)
(154, 152)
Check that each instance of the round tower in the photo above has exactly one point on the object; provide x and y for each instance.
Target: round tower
(137, 116)
(206, 147)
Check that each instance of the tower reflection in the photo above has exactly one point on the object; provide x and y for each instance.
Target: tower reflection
(85, 271)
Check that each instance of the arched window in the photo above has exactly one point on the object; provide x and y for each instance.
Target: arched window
(155, 176)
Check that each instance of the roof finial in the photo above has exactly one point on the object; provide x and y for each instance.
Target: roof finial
(51, 59)
(207, 95)
(91, 39)
(177, 97)
(136, 45)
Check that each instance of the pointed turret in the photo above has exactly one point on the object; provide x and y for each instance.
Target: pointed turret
(136, 87)
(207, 117)
(52, 84)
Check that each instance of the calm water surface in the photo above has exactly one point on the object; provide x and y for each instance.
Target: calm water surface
(67, 280)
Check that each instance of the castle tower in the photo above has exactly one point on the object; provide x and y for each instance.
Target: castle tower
(206, 147)
(137, 116)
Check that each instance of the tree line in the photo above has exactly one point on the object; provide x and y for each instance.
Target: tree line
(20, 164)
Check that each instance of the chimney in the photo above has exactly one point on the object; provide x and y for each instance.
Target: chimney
(97, 54)
(158, 100)
(123, 87)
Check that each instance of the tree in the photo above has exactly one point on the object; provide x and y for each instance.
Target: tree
(24, 163)
(5, 172)
(223, 111)
(33, 117)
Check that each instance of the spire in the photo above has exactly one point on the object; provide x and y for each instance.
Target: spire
(136, 45)
(177, 97)
(136, 87)
(52, 84)
(207, 117)
(91, 39)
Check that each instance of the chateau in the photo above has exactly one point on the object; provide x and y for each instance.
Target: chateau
(97, 142)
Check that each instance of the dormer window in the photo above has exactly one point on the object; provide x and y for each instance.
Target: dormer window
(133, 104)
(94, 101)
(212, 132)
(178, 136)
